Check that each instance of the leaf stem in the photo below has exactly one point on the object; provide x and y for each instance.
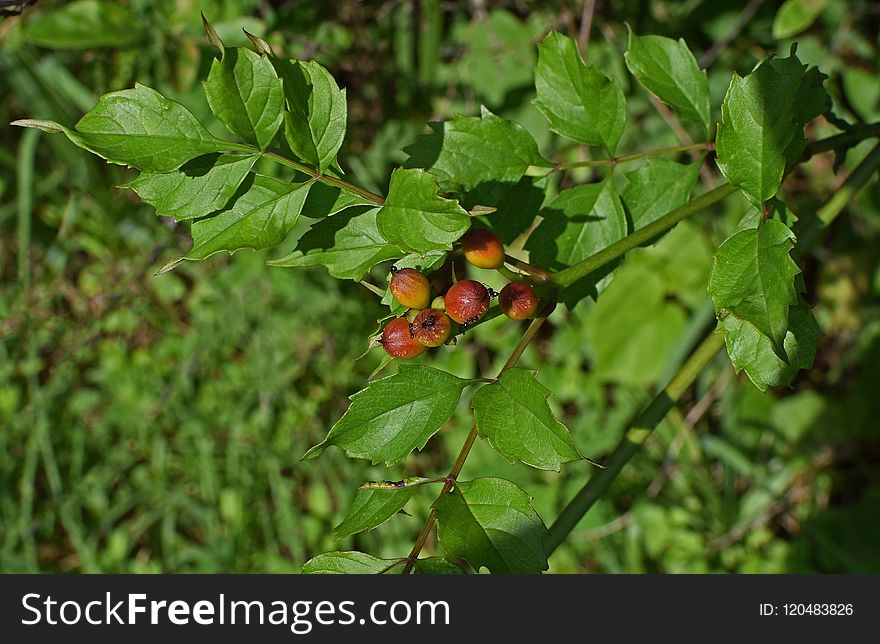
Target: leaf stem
(537, 273)
(324, 178)
(640, 428)
(594, 262)
(524, 341)
(613, 161)
(856, 134)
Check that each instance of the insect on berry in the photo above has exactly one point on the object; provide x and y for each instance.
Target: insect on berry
(410, 288)
(397, 340)
(518, 301)
(431, 327)
(467, 301)
(482, 248)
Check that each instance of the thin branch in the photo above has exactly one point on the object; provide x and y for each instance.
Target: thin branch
(324, 178)
(656, 152)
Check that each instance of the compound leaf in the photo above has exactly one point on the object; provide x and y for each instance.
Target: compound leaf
(513, 414)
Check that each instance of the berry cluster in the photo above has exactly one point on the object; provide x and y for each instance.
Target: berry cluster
(430, 323)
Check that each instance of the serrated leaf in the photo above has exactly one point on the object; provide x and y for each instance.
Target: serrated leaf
(141, 128)
(516, 205)
(513, 414)
(395, 415)
(794, 16)
(347, 245)
(753, 279)
(469, 150)
(264, 210)
(656, 188)
(437, 566)
(325, 200)
(201, 186)
(578, 100)
(317, 112)
(762, 118)
(371, 508)
(577, 223)
(415, 218)
(84, 24)
(346, 563)
(246, 95)
(490, 522)
(668, 69)
(752, 352)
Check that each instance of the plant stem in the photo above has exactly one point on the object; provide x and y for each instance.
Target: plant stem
(844, 140)
(537, 273)
(594, 262)
(640, 429)
(324, 178)
(613, 161)
(524, 341)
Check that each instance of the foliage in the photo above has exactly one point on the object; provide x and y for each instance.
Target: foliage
(260, 161)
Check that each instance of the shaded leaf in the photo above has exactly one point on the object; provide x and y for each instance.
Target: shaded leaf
(437, 566)
(753, 279)
(415, 218)
(578, 100)
(395, 415)
(201, 186)
(345, 563)
(371, 508)
(668, 69)
(469, 150)
(347, 245)
(246, 95)
(513, 414)
(490, 522)
(656, 188)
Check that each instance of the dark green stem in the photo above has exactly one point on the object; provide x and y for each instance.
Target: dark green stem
(640, 429)
(594, 262)
(613, 161)
(856, 134)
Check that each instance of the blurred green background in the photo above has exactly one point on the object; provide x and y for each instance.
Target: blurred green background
(155, 424)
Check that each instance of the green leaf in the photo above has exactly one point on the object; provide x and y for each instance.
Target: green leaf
(347, 245)
(578, 100)
(315, 123)
(346, 563)
(762, 118)
(141, 128)
(490, 522)
(371, 508)
(656, 188)
(84, 24)
(263, 212)
(395, 415)
(470, 150)
(516, 205)
(416, 218)
(751, 351)
(437, 566)
(325, 200)
(201, 186)
(512, 413)
(753, 279)
(246, 95)
(794, 16)
(668, 69)
(577, 223)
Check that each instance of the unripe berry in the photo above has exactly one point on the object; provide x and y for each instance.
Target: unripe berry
(398, 341)
(410, 288)
(431, 327)
(518, 301)
(467, 301)
(482, 248)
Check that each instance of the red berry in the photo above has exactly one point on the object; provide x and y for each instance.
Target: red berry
(431, 327)
(518, 301)
(398, 341)
(410, 288)
(482, 248)
(467, 301)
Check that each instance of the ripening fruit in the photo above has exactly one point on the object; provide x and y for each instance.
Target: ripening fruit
(398, 341)
(518, 301)
(467, 301)
(431, 327)
(482, 248)
(410, 288)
